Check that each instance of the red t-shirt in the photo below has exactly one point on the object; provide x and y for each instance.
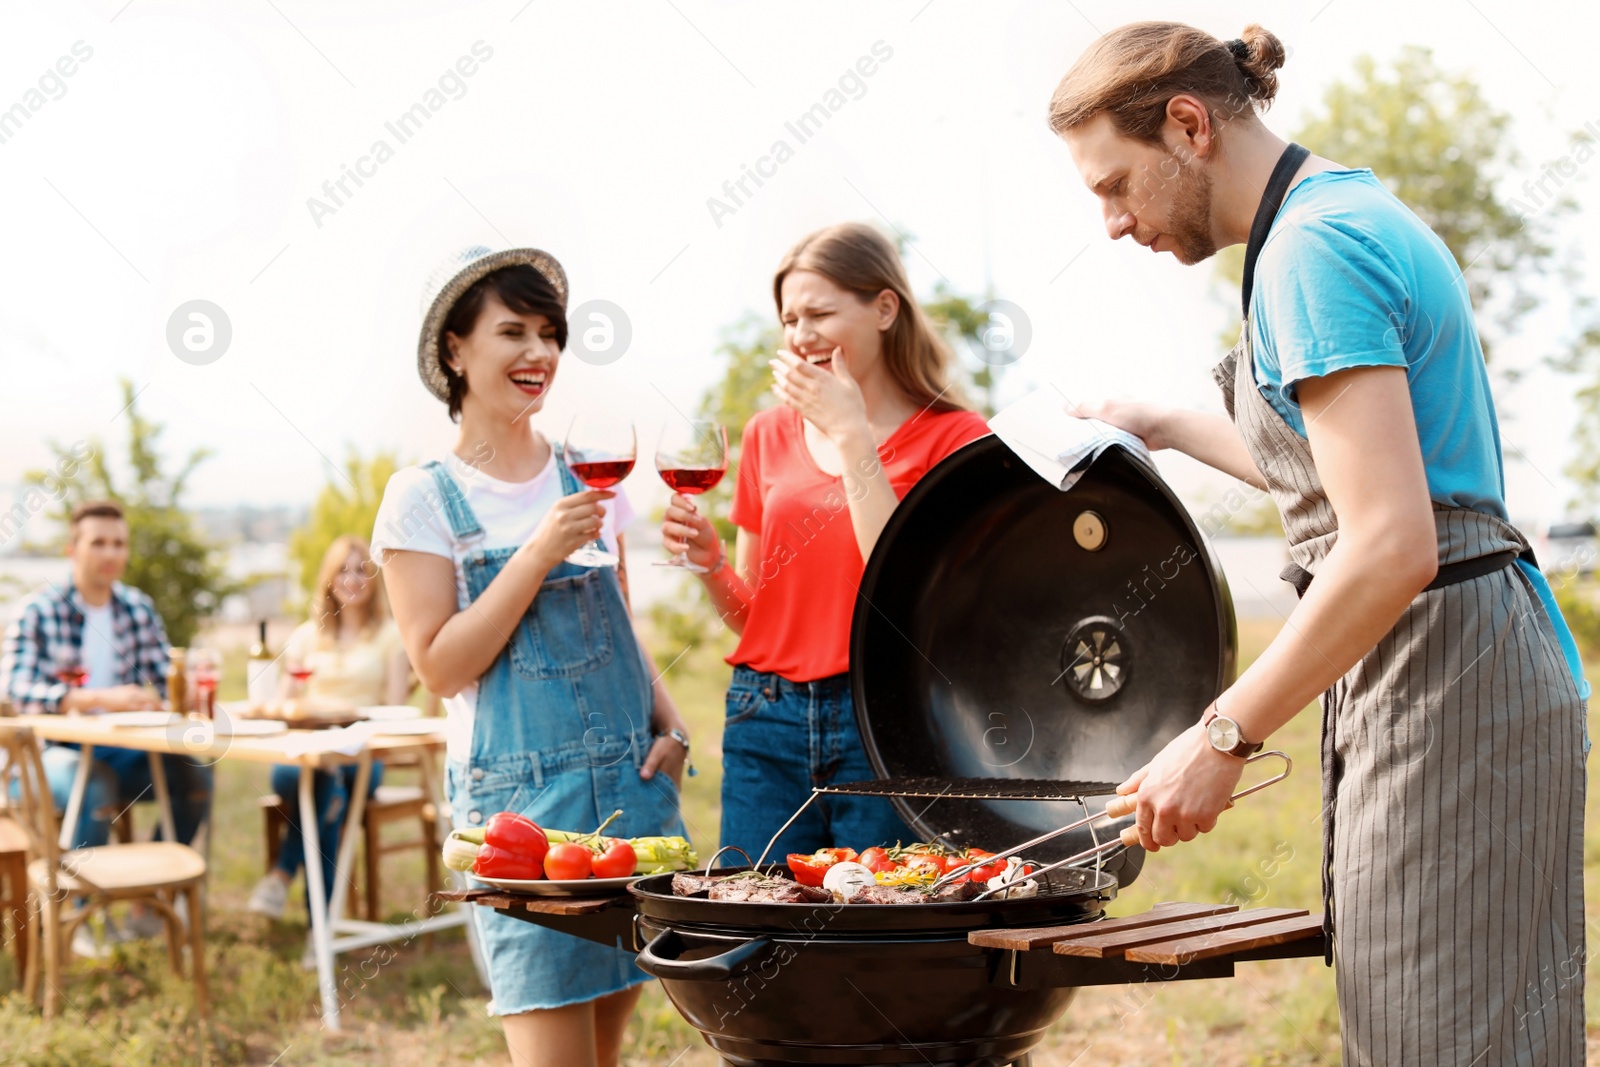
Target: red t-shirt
(805, 582)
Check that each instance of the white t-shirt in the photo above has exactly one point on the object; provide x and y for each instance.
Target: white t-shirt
(99, 653)
(411, 518)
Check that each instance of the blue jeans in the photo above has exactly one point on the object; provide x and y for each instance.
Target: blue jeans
(331, 794)
(119, 778)
(779, 740)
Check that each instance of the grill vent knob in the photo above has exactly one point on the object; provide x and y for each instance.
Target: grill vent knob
(1095, 660)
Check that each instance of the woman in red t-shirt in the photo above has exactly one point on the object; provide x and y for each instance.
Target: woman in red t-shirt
(866, 408)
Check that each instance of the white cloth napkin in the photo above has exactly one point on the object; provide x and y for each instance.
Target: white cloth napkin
(345, 740)
(1058, 446)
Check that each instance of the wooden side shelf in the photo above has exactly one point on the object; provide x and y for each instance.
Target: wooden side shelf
(1178, 935)
(501, 900)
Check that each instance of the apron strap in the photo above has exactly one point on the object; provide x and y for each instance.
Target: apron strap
(1271, 201)
(463, 522)
(1449, 573)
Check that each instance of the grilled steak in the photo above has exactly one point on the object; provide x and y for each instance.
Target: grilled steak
(959, 891)
(767, 891)
(689, 884)
(888, 894)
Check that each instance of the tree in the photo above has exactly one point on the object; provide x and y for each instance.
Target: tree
(744, 389)
(964, 323)
(346, 505)
(177, 567)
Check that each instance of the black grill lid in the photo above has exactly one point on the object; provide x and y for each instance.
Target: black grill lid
(1009, 631)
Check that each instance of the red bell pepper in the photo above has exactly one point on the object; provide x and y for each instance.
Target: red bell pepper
(501, 863)
(516, 834)
(877, 860)
(810, 869)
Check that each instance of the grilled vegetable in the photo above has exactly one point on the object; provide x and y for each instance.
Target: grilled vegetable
(845, 879)
(877, 859)
(811, 869)
(908, 877)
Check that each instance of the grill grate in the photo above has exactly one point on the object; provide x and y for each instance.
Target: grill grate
(974, 788)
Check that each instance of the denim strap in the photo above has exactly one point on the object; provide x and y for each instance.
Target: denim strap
(463, 523)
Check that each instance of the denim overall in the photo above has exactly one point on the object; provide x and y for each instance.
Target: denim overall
(561, 729)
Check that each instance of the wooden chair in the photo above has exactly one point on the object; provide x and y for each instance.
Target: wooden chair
(388, 804)
(156, 873)
(399, 803)
(14, 886)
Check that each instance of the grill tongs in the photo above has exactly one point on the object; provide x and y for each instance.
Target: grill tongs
(1116, 808)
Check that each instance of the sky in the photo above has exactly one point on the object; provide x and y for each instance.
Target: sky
(195, 149)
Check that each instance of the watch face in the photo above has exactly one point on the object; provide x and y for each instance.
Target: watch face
(1223, 734)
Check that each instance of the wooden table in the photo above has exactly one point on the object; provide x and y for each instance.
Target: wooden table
(331, 933)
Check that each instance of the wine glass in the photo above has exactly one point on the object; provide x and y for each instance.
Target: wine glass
(691, 458)
(203, 670)
(69, 670)
(600, 451)
(299, 669)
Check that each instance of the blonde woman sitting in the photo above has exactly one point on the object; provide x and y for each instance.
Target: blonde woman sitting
(353, 651)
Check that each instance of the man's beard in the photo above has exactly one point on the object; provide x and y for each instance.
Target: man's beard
(1189, 219)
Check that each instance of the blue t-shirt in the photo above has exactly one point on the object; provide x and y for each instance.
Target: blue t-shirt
(1350, 277)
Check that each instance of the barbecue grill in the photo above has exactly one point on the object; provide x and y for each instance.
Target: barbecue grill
(1030, 648)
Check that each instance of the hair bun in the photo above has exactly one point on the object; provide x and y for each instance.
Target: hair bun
(1261, 54)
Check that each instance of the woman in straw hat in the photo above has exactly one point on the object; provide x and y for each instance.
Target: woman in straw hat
(551, 709)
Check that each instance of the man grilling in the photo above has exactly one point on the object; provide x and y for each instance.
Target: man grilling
(1452, 693)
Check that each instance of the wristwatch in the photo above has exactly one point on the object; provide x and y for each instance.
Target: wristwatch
(682, 739)
(1224, 735)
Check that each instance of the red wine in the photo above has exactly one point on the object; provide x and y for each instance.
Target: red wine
(76, 677)
(300, 674)
(693, 480)
(603, 473)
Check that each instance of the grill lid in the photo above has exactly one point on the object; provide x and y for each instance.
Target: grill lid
(1013, 642)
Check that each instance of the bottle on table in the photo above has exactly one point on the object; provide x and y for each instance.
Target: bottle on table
(178, 680)
(261, 670)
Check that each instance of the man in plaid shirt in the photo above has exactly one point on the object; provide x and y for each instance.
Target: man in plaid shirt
(111, 633)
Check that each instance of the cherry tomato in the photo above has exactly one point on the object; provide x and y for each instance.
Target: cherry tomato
(617, 861)
(986, 871)
(923, 859)
(568, 861)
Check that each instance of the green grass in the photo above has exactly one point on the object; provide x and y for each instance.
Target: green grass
(426, 1008)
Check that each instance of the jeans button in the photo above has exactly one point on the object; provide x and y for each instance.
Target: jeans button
(477, 774)
(474, 817)
(767, 692)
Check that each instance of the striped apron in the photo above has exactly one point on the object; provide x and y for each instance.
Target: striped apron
(1453, 790)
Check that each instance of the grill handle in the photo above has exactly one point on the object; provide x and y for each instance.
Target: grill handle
(659, 958)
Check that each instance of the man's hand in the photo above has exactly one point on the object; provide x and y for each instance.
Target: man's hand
(1183, 790)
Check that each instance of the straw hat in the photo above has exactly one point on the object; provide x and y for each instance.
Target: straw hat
(455, 276)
